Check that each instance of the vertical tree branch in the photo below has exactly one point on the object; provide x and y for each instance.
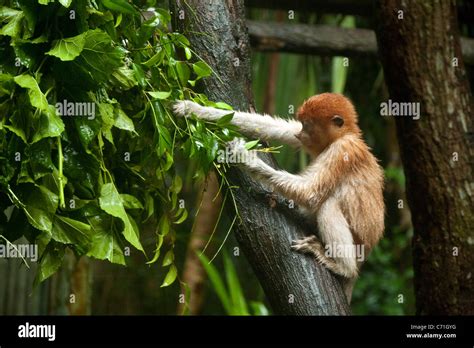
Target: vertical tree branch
(294, 284)
(421, 56)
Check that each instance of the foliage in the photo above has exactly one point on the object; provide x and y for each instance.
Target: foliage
(90, 179)
(230, 293)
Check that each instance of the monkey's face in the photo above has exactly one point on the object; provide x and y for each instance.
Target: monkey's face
(317, 133)
(325, 118)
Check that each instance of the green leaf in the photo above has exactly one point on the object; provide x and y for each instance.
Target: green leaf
(40, 206)
(111, 202)
(167, 165)
(159, 243)
(124, 78)
(160, 95)
(98, 60)
(259, 308)
(14, 24)
(130, 202)
(149, 205)
(202, 69)
(65, 3)
(156, 59)
(37, 98)
(139, 74)
(217, 283)
(6, 84)
(106, 244)
(177, 184)
(251, 144)
(69, 231)
(235, 290)
(40, 159)
(183, 72)
(48, 125)
(168, 259)
(86, 130)
(121, 6)
(122, 121)
(180, 39)
(50, 262)
(164, 225)
(170, 276)
(19, 123)
(188, 53)
(225, 120)
(82, 169)
(222, 105)
(165, 142)
(182, 218)
(68, 49)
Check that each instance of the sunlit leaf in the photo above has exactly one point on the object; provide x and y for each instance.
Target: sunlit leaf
(168, 259)
(69, 48)
(121, 6)
(37, 98)
(170, 276)
(160, 95)
(111, 202)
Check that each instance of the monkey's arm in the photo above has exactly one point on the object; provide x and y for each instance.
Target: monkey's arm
(315, 184)
(263, 127)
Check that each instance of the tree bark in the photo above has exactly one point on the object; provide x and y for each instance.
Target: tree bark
(417, 54)
(294, 284)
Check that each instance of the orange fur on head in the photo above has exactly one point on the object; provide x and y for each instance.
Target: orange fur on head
(325, 106)
(318, 113)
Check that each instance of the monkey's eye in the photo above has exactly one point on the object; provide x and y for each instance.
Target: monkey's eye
(338, 120)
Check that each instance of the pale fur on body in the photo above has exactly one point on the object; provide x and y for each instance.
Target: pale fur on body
(341, 189)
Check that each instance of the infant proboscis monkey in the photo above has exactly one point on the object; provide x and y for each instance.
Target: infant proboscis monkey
(341, 189)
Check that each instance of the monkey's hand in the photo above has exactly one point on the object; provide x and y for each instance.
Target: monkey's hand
(247, 159)
(184, 108)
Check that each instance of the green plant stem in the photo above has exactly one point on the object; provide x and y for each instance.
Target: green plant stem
(62, 204)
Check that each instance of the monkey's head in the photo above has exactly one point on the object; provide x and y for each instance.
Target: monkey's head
(325, 118)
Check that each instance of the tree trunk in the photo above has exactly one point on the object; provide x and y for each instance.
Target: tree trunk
(422, 62)
(294, 284)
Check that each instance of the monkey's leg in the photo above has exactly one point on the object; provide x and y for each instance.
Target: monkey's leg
(311, 245)
(337, 238)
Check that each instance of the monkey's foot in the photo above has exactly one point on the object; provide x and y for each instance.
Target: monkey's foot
(311, 245)
(308, 245)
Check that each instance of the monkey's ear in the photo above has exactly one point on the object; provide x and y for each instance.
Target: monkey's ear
(337, 120)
